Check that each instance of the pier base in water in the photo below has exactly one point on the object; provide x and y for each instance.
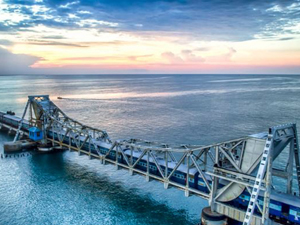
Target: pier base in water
(212, 218)
(11, 147)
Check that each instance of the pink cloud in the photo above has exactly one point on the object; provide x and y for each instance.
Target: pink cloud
(171, 57)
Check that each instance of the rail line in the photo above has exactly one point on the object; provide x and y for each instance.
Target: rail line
(235, 176)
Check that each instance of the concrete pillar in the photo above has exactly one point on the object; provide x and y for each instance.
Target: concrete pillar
(130, 171)
(212, 218)
(166, 184)
(187, 193)
(147, 178)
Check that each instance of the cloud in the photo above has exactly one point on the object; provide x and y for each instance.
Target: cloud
(95, 23)
(209, 20)
(107, 43)
(189, 56)
(275, 8)
(83, 12)
(102, 58)
(286, 39)
(171, 57)
(202, 49)
(138, 57)
(15, 63)
(221, 58)
(69, 4)
(55, 43)
(186, 56)
(231, 52)
(166, 32)
(5, 42)
(53, 37)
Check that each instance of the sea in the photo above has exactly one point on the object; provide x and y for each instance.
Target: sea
(65, 188)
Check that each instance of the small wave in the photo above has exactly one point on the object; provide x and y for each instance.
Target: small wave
(135, 95)
(235, 80)
(246, 80)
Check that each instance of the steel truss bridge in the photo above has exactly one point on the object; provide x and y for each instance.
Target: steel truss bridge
(228, 168)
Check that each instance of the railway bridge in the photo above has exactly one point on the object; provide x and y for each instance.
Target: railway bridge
(235, 176)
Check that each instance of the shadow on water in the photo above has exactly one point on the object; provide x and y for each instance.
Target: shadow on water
(100, 187)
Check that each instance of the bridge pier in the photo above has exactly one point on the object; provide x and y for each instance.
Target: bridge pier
(130, 171)
(147, 178)
(187, 193)
(102, 161)
(212, 218)
(166, 184)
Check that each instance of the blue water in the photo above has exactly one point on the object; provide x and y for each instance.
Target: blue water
(65, 188)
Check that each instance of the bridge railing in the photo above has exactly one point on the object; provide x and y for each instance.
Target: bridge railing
(227, 168)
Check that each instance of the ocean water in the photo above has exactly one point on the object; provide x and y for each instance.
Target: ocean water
(65, 188)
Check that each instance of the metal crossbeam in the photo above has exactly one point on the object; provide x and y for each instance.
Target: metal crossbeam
(219, 163)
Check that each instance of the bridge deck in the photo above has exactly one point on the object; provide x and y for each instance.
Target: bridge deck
(223, 173)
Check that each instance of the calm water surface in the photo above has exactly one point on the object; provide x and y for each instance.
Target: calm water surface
(66, 188)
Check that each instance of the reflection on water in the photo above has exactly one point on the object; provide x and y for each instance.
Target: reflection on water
(125, 95)
(71, 189)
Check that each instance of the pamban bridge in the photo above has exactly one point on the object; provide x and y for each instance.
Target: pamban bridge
(235, 176)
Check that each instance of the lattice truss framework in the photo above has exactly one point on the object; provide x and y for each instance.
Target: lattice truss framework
(216, 163)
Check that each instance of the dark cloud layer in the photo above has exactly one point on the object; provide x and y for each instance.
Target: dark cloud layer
(15, 63)
(234, 20)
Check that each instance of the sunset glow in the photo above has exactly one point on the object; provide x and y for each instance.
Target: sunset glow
(149, 37)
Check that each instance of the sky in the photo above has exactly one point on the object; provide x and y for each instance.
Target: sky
(149, 37)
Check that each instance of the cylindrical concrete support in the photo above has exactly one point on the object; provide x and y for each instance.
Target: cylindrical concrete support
(10, 147)
(212, 218)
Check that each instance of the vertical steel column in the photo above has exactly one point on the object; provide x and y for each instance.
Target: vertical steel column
(44, 141)
(289, 187)
(70, 141)
(78, 141)
(117, 152)
(205, 159)
(30, 114)
(21, 122)
(52, 135)
(131, 161)
(296, 153)
(90, 150)
(215, 183)
(148, 159)
(187, 192)
(166, 183)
